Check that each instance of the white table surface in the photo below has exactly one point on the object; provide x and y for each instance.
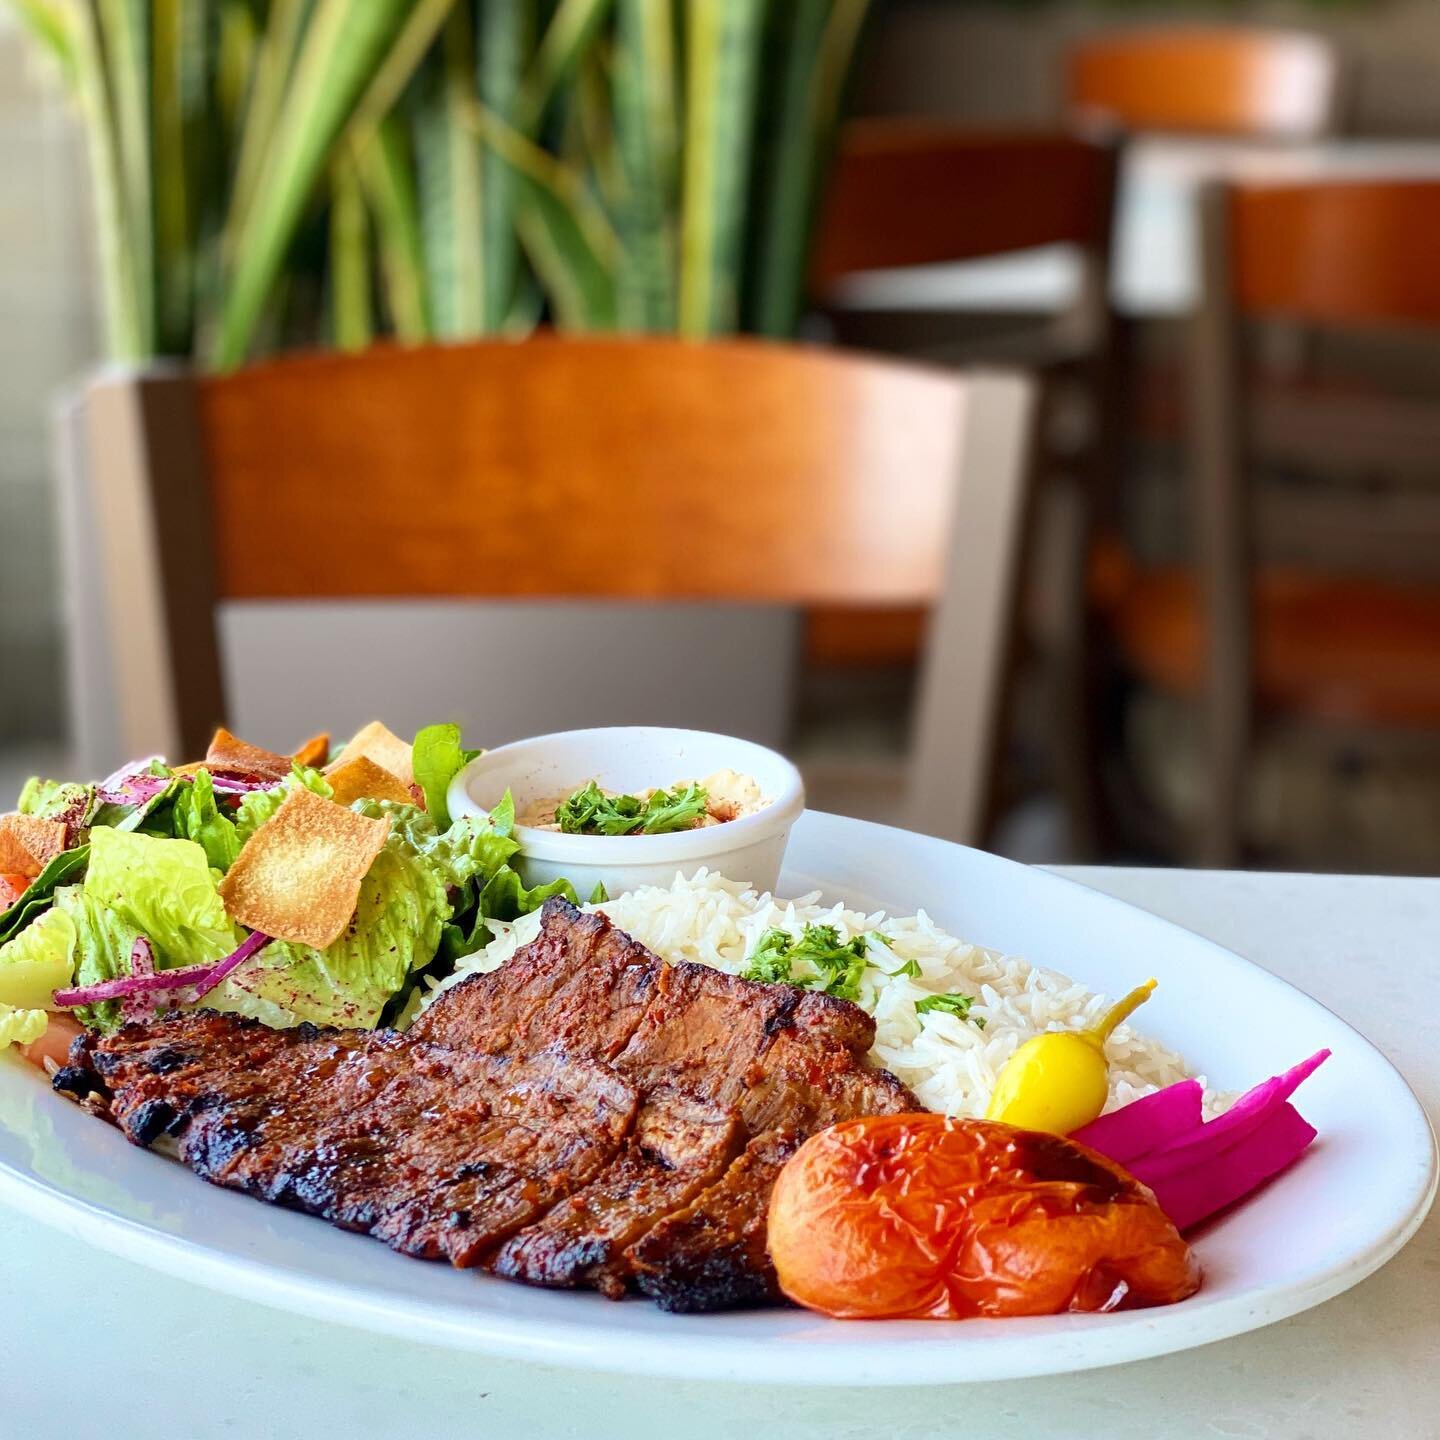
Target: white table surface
(90, 1345)
(1156, 263)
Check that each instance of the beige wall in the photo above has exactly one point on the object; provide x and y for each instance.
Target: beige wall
(1000, 63)
(46, 334)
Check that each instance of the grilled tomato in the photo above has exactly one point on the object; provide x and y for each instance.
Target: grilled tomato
(923, 1217)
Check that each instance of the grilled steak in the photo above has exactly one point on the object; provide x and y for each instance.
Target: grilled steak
(584, 1116)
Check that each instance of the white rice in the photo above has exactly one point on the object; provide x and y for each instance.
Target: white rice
(949, 1062)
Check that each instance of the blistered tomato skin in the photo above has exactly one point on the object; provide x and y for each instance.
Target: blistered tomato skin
(925, 1217)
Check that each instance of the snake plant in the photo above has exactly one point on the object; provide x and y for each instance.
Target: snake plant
(270, 173)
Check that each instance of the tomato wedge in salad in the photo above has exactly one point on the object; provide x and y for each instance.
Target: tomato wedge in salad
(12, 887)
(54, 1044)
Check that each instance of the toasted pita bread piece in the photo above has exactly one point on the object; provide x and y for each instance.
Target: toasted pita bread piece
(228, 752)
(229, 755)
(298, 876)
(382, 746)
(313, 751)
(362, 777)
(28, 844)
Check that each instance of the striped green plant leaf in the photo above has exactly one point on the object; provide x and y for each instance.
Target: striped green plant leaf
(565, 233)
(261, 91)
(507, 41)
(352, 320)
(572, 29)
(125, 337)
(815, 58)
(124, 33)
(177, 50)
(387, 172)
(344, 46)
(722, 61)
(645, 105)
(448, 160)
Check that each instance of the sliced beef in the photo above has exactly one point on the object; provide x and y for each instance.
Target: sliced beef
(680, 1147)
(586, 1115)
(710, 1254)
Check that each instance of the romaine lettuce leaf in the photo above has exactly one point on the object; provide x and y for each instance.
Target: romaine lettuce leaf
(38, 894)
(259, 805)
(197, 817)
(103, 942)
(57, 800)
(21, 1027)
(403, 905)
(437, 756)
(165, 889)
(505, 897)
(38, 961)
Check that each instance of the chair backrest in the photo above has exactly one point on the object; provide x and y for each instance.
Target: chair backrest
(639, 469)
(1334, 253)
(1214, 81)
(915, 192)
(1358, 253)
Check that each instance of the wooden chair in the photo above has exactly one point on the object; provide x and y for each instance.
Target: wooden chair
(1239, 81)
(1310, 606)
(907, 192)
(576, 469)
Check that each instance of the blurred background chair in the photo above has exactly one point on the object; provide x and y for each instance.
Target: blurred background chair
(1236, 80)
(1310, 628)
(556, 469)
(906, 194)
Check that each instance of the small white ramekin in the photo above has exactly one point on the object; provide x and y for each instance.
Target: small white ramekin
(626, 759)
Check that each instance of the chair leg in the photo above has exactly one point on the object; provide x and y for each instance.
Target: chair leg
(1074, 730)
(1219, 843)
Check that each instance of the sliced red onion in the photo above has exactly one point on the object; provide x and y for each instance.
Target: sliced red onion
(196, 980)
(133, 789)
(142, 962)
(130, 771)
(235, 785)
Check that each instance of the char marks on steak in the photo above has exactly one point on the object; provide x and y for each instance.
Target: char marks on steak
(584, 1116)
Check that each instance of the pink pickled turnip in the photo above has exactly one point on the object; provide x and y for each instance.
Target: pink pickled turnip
(1208, 1183)
(1196, 1168)
(1155, 1119)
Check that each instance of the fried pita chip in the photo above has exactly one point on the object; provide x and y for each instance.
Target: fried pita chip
(382, 746)
(233, 755)
(28, 844)
(363, 778)
(298, 876)
(313, 751)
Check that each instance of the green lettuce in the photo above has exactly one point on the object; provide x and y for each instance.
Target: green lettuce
(138, 884)
(165, 888)
(437, 756)
(38, 961)
(38, 894)
(197, 817)
(402, 909)
(57, 800)
(259, 805)
(103, 942)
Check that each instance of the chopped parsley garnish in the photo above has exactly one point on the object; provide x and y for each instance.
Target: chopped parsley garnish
(910, 967)
(826, 962)
(950, 1005)
(589, 811)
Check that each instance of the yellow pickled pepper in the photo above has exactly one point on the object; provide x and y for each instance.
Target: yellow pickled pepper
(1059, 1081)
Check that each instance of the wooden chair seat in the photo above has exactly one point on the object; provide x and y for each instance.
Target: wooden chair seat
(1329, 647)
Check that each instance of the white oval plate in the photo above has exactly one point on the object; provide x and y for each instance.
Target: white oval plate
(1349, 1204)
